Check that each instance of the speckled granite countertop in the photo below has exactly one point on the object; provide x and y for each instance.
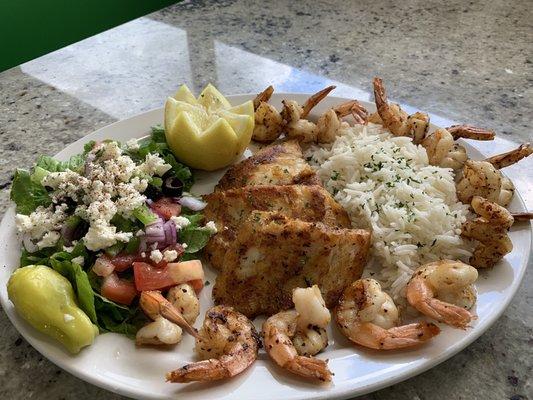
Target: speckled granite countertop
(462, 61)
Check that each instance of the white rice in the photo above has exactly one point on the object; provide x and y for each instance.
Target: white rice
(386, 184)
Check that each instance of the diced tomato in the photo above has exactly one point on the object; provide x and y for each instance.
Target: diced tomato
(123, 261)
(148, 277)
(197, 284)
(103, 267)
(118, 290)
(166, 207)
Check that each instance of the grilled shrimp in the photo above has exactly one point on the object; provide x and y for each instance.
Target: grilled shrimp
(396, 120)
(444, 152)
(291, 337)
(155, 305)
(490, 230)
(294, 115)
(184, 298)
(479, 178)
(330, 122)
(482, 178)
(268, 121)
(228, 344)
(368, 316)
(444, 290)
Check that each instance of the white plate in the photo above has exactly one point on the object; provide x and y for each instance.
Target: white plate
(113, 362)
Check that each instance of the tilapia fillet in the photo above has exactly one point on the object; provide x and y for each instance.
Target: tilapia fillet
(280, 164)
(228, 209)
(272, 254)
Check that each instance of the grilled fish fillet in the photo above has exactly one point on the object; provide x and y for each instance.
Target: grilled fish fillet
(228, 209)
(280, 164)
(272, 254)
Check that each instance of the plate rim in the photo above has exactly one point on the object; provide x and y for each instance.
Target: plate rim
(331, 392)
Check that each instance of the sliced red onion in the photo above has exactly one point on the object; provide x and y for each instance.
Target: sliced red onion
(192, 203)
(170, 233)
(28, 244)
(155, 228)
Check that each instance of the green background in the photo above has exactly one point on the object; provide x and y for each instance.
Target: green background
(31, 28)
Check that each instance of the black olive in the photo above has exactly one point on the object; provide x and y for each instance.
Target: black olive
(153, 192)
(172, 187)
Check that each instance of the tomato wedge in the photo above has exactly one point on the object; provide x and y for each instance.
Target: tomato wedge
(148, 277)
(118, 290)
(166, 207)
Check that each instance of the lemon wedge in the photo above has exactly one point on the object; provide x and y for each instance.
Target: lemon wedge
(207, 132)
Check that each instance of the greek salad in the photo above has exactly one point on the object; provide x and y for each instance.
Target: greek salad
(116, 220)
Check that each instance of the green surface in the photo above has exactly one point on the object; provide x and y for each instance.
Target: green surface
(31, 28)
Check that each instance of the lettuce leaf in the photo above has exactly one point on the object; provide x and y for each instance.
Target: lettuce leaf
(113, 317)
(50, 164)
(195, 238)
(27, 194)
(61, 261)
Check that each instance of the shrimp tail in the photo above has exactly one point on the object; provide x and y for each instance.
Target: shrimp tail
(526, 216)
(470, 132)
(380, 97)
(410, 335)
(310, 368)
(264, 96)
(445, 312)
(314, 100)
(359, 113)
(207, 370)
(154, 304)
(511, 157)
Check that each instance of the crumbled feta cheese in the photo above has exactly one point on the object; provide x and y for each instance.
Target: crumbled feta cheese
(41, 221)
(23, 222)
(153, 165)
(78, 260)
(101, 210)
(110, 184)
(109, 150)
(129, 199)
(139, 184)
(180, 222)
(49, 239)
(170, 255)
(102, 235)
(156, 256)
(143, 254)
(140, 232)
(184, 245)
(68, 249)
(123, 168)
(211, 227)
(132, 144)
(66, 184)
(67, 318)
